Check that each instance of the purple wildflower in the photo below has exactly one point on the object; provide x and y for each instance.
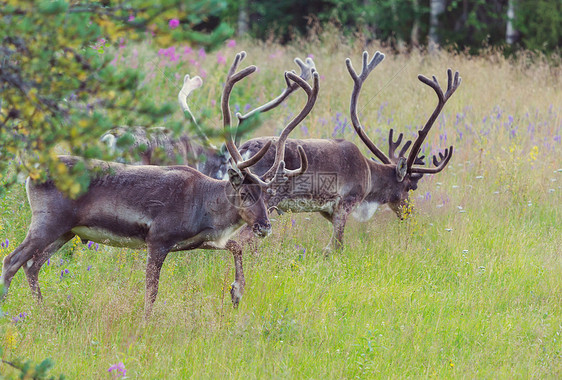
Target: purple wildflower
(174, 23)
(90, 243)
(20, 317)
(89, 267)
(119, 369)
(221, 59)
(231, 43)
(293, 222)
(202, 53)
(311, 56)
(131, 18)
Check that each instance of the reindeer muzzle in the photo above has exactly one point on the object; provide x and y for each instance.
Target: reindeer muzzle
(262, 229)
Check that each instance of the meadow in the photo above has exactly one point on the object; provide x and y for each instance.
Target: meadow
(468, 286)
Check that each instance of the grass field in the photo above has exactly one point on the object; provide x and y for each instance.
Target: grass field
(469, 286)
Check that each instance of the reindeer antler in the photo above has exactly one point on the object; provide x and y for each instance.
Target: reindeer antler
(312, 95)
(243, 165)
(452, 85)
(358, 83)
(307, 68)
(189, 85)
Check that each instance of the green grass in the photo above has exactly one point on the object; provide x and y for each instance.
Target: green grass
(468, 287)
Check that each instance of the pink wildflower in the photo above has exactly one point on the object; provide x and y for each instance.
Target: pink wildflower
(174, 23)
(131, 18)
(202, 53)
(231, 43)
(203, 73)
(221, 59)
(119, 368)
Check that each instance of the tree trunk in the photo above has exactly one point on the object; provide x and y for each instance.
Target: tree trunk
(415, 33)
(243, 19)
(511, 34)
(437, 7)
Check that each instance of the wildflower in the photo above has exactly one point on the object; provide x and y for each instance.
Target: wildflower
(187, 50)
(131, 18)
(293, 222)
(221, 59)
(10, 339)
(119, 369)
(174, 23)
(202, 53)
(89, 267)
(231, 43)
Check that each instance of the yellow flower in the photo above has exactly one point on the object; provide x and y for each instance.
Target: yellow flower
(10, 339)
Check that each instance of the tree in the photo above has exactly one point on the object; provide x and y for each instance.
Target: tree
(437, 8)
(58, 87)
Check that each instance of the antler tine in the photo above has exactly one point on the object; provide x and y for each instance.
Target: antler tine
(392, 145)
(452, 85)
(189, 85)
(358, 83)
(279, 164)
(439, 163)
(231, 79)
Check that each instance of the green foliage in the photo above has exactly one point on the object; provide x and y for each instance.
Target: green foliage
(465, 24)
(26, 370)
(540, 23)
(61, 86)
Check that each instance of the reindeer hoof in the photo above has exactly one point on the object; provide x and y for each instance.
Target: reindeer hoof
(235, 294)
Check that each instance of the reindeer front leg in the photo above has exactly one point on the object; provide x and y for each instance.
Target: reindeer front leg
(237, 287)
(156, 257)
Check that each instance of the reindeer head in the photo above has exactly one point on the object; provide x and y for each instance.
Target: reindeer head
(246, 187)
(399, 173)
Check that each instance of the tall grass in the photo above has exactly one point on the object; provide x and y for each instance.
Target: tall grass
(467, 287)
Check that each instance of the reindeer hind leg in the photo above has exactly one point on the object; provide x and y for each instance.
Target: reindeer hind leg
(32, 245)
(34, 265)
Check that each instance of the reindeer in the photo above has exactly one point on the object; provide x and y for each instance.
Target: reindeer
(168, 208)
(340, 180)
(185, 149)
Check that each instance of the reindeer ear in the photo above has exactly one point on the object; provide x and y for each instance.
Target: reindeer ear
(223, 151)
(235, 178)
(401, 169)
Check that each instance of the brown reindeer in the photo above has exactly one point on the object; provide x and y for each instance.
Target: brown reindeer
(168, 208)
(340, 180)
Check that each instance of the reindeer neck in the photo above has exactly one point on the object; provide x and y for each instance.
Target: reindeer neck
(383, 184)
